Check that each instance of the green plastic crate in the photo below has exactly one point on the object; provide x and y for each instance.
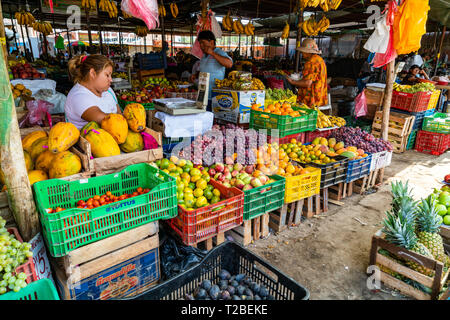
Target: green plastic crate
(261, 200)
(411, 140)
(43, 289)
(438, 122)
(285, 125)
(67, 230)
(147, 106)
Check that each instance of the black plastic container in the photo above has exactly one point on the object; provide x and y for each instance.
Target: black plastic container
(346, 108)
(332, 173)
(234, 258)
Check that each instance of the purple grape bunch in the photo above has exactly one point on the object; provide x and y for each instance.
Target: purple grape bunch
(361, 139)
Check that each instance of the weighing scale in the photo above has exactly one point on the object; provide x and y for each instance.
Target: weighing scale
(181, 106)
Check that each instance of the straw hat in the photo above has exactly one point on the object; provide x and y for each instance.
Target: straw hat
(309, 46)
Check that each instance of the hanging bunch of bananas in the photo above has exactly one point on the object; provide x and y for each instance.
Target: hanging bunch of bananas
(312, 28)
(44, 27)
(314, 3)
(24, 18)
(334, 4)
(227, 22)
(162, 11)
(108, 6)
(249, 29)
(174, 9)
(126, 15)
(285, 33)
(89, 4)
(238, 27)
(324, 4)
(141, 31)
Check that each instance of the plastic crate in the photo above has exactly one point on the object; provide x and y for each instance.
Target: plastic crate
(439, 123)
(302, 186)
(152, 60)
(419, 117)
(411, 140)
(432, 142)
(286, 125)
(236, 259)
(28, 267)
(412, 102)
(358, 168)
(287, 139)
(332, 173)
(42, 289)
(147, 106)
(194, 226)
(434, 99)
(67, 230)
(324, 133)
(267, 198)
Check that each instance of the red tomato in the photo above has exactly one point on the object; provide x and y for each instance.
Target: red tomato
(96, 203)
(122, 197)
(139, 190)
(135, 194)
(96, 197)
(59, 209)
(81, 203)
(146, 190)
(90, 207)
(109, 194)
(102, 201)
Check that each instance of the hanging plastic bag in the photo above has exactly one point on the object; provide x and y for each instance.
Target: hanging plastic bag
(410, 25)
(360, 105)
(38, 114)
(215, 26)
(382, 59)
(146, 10)
(378, 41)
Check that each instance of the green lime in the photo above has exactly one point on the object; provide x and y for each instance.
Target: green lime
(206, 177)
(186, 169)
(164, 164)
(188, 196)
(180, 195)
(189, 203)
(158, 163)
(210, 187)
(215, 199)
(208, 194)
(216, 193)
(201, 184)
(198, 192)
(195, 172)
(192, 185)
(180, 186)
(181, 201)
(201, 202)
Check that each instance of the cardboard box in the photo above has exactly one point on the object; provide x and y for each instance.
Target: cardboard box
(234, 106)
(125, 272)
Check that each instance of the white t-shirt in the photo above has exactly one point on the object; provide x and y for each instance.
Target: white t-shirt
(81, 98)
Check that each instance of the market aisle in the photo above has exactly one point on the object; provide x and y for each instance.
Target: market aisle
(329, 255)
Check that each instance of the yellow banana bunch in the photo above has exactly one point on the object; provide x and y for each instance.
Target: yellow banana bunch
(334, 4)
(313, 3)
(162, 11)
(141, 31)
(302, 4)
(174, 9)
(238, 27)
(108, 6)
(44, 27)
(285, 33)
(227, 22)
(126, 15)
(323, 24)
(312, 28)
(24, 18)
(89, 4)
(249, 29)
(324, 5)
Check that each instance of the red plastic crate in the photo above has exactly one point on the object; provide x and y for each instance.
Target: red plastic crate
(28, 267)
(412, 102)
(311, 135)
(197, 225)
(432, 142)
(298, 136)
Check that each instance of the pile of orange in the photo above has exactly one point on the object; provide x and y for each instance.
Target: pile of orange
(282, 109)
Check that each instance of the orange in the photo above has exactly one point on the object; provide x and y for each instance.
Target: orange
(277, 112)
(290, 168)
(280, 171)
(277, 105)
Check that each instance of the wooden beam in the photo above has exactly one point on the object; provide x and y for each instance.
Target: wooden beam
(440, 50)
(387, 100)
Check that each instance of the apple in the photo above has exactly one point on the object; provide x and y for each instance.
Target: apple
(247, 187)
(219, 167)
(264, 179)
(238, 167)
(233, 181)
(227, 176)
(234, 173)
(226, 184)
(212, 172)
(226, 170)
(239, 184)
(217, 175)
(221, 177)
(249, 169)
(247, 180)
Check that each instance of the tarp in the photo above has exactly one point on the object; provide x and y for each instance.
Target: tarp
(440, 11)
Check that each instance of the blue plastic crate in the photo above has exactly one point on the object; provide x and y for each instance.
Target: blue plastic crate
(150, 61)
(419, 117)
(358, 168)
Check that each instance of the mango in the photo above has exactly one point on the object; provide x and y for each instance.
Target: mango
(352, 149)
(331, 142)
(324, 141)
(316, 141)
(339, 145)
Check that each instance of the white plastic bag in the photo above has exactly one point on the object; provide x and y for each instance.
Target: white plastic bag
(378, 41)
(215, 26)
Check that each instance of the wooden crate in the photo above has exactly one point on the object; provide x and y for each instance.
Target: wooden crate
(145, 74)
(212, 242)
(399, 124)
(398, 143)
(337, 192)
(374, 97)
(435, 283)
(251, 230)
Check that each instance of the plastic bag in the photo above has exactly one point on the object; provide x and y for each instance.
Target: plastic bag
(149, 141)
(409, 25)
(196, 50)
(378, 41)
(38, 112)
(146, 10)
(215, 26)
(360, 105)
(382, 59)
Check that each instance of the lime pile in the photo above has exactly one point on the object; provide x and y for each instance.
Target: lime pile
(443, 207)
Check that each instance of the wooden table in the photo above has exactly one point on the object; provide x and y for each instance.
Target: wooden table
(446, 87)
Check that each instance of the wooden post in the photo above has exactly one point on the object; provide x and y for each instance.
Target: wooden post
(88, 23)
(100, 38)
(12, 160)
(438, 57)
(297, 43)
(387, 100)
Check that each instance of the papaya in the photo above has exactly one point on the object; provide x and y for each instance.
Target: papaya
(62, 136)
(339, 145)
(64, 164)
(37, 175)
(360, 152)
(352, 149)
(133, 143)
(44, 160)
(135, 115)
(28, 161)
(331, 142)
(28, 140)
(39, 146)
(88, 127)
(324, 142)
(348, 154)
(117, 127)
(102, 143)
(340, 151)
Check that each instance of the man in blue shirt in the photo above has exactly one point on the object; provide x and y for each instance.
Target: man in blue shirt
(214, 61)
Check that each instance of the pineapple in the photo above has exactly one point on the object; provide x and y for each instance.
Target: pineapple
(406, 208)
(428, 224)
(400, 232)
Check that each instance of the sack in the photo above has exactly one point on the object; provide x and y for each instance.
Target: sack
(378, 41)
(410, 25)
(196, 50)
(360, 105)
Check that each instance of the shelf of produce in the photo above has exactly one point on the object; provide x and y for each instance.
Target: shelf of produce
(432, 143)
(412, 102)
(439, 123)
(148, 106)
(398, 143)
(323, 133)
(237, 260)
(74, 227)
(42, 289)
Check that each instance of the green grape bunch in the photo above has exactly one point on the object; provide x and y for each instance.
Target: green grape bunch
(13, 253)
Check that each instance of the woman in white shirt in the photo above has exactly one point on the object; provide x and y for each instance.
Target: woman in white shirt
(91, 98)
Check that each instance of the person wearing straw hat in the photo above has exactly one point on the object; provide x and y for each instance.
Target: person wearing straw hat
(312, 88)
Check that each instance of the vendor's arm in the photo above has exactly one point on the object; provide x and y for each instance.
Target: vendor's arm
(422, 72)
(303, 83)
(221, 58)
(93, 114)
(310, 74)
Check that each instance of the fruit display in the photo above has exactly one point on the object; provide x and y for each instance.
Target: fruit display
(108, 6)
(121, 75)
(24, 18)
(193, 188)
(283, 109)
(317, 152)
(240, 81)
(25, 71)
(141, 31)
(89, 4)
(326, 5)
(361, 140)
(44, 27)
(13, 254)
(174, 9)
(279, 94)
(312, 28)
(143, 95)
(227, 22)
(135, 115)
(162, 11)
(285, 32)
(117, 126)
(19, 90)
(230, 287)
(442, 197)
(163, 82)
(62, 136)
(325, 121)
(419, 87)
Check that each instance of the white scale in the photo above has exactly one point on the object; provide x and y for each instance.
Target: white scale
(181, 106)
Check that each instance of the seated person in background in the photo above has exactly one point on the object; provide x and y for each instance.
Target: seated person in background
(414, 74)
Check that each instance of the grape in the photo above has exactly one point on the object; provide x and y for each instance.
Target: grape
(2, 290)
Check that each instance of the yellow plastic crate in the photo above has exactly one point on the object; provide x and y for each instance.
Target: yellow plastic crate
(302, 186)
(434, 99)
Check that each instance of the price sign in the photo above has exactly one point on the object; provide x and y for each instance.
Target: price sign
(40, 259)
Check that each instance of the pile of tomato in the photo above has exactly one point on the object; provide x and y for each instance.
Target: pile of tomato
(98, 201)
